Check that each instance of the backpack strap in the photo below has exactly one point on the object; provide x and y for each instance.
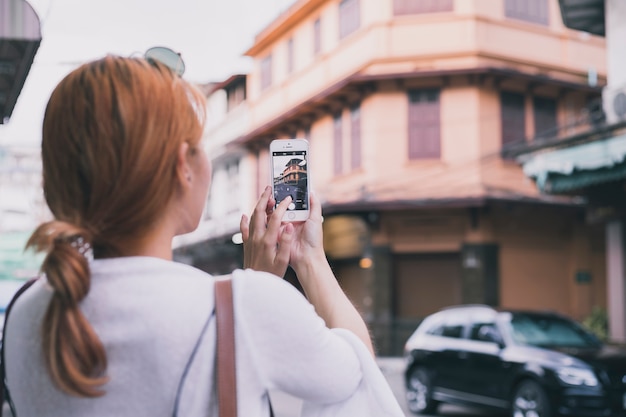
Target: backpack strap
(4, 391)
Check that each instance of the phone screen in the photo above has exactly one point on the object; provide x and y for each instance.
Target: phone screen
(290, 178)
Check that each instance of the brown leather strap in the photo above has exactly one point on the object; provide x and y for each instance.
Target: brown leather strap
(226, 376)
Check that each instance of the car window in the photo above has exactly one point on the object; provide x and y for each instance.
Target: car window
(452, 326)
(547, 331)
(452, 330)
(478, 330)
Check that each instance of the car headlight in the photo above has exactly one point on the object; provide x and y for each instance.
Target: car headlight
(577, 376)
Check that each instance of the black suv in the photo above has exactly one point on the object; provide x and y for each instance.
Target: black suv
(533, 364)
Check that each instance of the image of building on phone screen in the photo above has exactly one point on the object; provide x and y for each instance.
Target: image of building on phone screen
(292, 180)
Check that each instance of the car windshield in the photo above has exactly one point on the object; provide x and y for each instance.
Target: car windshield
(550, 331)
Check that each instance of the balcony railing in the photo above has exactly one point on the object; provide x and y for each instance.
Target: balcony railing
(590, 125)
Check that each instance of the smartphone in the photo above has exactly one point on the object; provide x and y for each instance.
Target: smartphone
(289, 159)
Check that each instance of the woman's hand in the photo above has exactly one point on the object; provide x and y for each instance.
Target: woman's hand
(308, 242)
(266, 242)
(318, 280)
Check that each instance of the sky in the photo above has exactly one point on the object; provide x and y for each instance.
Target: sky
(211, 35)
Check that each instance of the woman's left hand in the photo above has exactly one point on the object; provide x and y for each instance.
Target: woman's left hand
(266, 242)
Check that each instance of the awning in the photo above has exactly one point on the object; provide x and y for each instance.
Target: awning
(585, 15)
(564, 170)
(20, 36)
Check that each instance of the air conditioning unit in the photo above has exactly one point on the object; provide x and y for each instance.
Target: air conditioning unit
(614, 100)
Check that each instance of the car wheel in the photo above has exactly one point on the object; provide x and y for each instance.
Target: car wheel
(530, 400)
(419, 395)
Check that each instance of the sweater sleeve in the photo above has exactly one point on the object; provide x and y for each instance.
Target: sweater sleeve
(294, 350)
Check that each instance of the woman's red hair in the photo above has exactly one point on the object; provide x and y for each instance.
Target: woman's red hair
(111, 133)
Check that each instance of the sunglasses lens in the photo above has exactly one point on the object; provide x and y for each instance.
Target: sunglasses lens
(167, 57)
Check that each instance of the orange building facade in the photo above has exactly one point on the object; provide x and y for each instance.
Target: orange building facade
(408, 105)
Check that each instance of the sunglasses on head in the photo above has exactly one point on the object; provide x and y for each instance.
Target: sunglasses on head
(167, 57)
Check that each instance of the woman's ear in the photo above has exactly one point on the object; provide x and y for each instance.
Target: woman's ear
(183, 169)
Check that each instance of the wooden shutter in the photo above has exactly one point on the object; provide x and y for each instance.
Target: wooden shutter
(317, 36)
(290, 56)
(424, 124)
(355, 137)
(349, 17)
(401, 7)
(337, 145)
(513, 118)
(266, 72)
(534, 11)
(544, 110)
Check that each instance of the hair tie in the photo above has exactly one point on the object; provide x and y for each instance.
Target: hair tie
(82, 246)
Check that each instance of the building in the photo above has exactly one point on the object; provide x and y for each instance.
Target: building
(408, 106)
(20, 36)
(591, 163)
(22, 208)
(211, 246)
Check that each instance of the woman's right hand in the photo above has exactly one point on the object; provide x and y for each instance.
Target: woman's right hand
(266, 242)
(308, 242)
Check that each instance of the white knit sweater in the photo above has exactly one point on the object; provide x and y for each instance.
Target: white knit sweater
(150, 314)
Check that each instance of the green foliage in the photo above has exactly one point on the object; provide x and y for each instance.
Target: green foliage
(598, 323)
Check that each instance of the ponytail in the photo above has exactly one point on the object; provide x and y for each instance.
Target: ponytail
(74, 354)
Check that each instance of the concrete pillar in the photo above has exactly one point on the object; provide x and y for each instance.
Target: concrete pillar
(615, 18)
(382, 294)
(616, 280)
(615, 21)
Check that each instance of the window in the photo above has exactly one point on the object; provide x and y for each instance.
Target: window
(290, 56)
(232, 173)
(479, 331)
(266, 72)
(349, 17)
(452, 326)
(401, 7)
(513, 118)
(549, 331)
(317, 36)
(355, 137)
(235, 94)
(544, 110)
(534, 11)
(337, 144)
(424, 131)
(452, 330)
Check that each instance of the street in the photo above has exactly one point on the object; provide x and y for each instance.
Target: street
(286, 406)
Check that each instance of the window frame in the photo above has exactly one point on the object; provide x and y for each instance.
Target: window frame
(349, 17)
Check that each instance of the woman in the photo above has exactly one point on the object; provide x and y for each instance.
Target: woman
(114, 327)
